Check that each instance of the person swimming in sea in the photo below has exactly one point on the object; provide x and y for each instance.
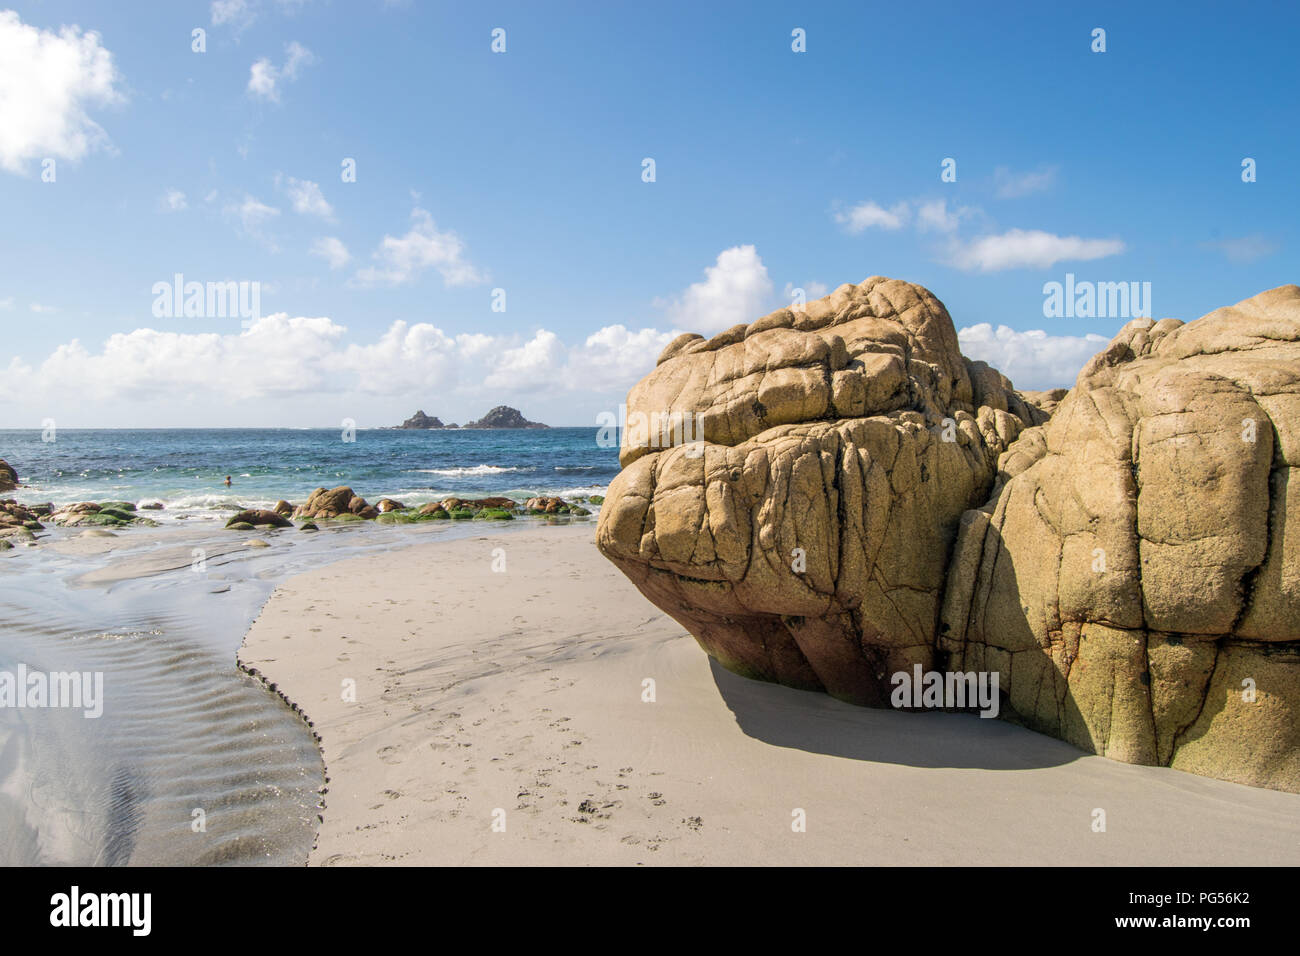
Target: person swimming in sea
(227, 481)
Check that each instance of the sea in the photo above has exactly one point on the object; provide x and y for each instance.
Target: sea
(185, 469)
(192, 761)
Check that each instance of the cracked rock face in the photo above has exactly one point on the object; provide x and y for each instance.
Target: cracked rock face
(791, 489)
(1135, 577)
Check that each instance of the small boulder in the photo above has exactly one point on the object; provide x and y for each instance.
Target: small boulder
(256, 517)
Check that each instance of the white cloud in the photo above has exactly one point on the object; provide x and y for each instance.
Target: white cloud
(264, 76)
(308, 200)
(616, 357)
(934, 216)
(48, 81)
(869, 215)
(42, 309)
(406, 358)
(235, 12)
(1032, 359)
(735, 289)
(530, 366)
(1011, 185)
(284, 357)
(332, 250)
(1027, 248)
(261, 80)
(173, 200)
(253, 215)
(297, 56)
(402, 258)
(1244, 249)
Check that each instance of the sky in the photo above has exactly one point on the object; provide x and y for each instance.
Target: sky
(448, 206)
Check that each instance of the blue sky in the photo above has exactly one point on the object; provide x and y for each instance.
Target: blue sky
(522, 171)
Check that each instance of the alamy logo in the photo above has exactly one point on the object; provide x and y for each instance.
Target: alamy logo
(207, 300)
(953, 690)
(75, 908)
(659, 429)
(1096, 300)
(36, 689)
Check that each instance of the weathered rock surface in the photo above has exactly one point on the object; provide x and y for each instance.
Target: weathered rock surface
(1134, 580)
(8, 477)
(797, 487)
(334, 503)
(792, 498)
(503, 416)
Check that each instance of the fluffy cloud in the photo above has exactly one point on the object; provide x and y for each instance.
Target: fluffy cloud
(276, 356)
(869, 215)
(935, 216)
(332, 250)
(264, 76)
(1022, 248)
(1012, 185)
(283, 357)
(736, 288)
(530, 366)
(403, 258)
(48, 82)
(615, 357)
(173, 200)
(1031, 359)
(308, 200)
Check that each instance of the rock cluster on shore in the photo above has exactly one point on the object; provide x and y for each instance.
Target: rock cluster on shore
(336, 505)
(343, 504)
(862, 500)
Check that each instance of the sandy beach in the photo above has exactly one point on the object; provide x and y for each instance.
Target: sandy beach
(487, 697)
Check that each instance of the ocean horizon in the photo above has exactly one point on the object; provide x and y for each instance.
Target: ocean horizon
(184, 469)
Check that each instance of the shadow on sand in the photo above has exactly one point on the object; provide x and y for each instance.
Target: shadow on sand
(813, 722)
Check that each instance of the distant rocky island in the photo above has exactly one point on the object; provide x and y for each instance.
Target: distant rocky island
(503, 416)
(421, 420)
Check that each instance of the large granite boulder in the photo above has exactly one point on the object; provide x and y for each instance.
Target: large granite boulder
(8, 477)
(792, 488)
(1133, 579)
(831, 496)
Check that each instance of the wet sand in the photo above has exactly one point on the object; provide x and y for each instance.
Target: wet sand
(498, 718)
